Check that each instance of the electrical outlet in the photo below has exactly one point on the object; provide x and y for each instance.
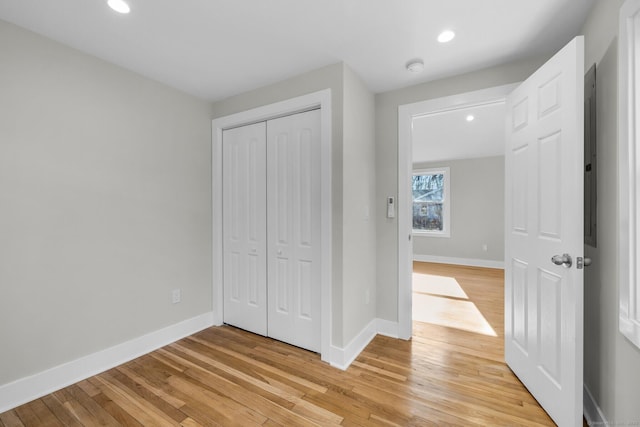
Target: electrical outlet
(484, 247)
(176, 296)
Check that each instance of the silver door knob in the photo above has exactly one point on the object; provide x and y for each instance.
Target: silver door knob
(563, 260)
(582, 262)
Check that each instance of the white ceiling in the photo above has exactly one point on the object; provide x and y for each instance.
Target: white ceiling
(215, 48)
(448, 135)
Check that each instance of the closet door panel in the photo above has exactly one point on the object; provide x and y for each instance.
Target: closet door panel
(244, 231)
(293, 223)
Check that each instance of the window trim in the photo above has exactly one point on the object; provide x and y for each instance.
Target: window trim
(446, 204)
(628, 162)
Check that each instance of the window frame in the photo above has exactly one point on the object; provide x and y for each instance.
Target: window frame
(446, 203)
(628, 163)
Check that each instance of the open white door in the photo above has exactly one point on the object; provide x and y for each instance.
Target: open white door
(544, 219)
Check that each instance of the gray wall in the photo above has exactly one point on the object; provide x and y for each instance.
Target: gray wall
(611, 362)
(352, 157)
(477, 211)
(387, 160)
(104, 204)
(359, 226)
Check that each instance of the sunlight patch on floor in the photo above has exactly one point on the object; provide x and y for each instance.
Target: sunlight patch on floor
(441, 301)
(438, 285)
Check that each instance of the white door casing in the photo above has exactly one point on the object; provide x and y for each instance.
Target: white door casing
(406, 114)
(244, 232)
(543, 218)
(293, 224)
(320, 99)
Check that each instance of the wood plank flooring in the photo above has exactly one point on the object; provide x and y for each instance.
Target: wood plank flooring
(225, 376)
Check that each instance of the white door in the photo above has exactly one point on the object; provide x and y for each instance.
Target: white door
(544, 218)
(293, 223)
(244, 227)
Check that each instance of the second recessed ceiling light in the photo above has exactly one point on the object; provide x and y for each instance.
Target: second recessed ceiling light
(119, 6)
(446, 36)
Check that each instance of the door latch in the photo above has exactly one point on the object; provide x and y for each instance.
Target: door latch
(582, 262)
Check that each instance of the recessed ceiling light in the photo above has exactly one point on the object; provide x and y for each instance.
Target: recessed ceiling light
(119, 6)
(470, 118)
(415, 65)
(446, 36)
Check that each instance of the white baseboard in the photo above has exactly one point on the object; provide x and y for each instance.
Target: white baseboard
(387, 328)
(592, 412)
(30, 388)
(487, 263)
(341, 358)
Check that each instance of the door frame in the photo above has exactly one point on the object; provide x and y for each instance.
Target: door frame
(406, 114)
(322, 100)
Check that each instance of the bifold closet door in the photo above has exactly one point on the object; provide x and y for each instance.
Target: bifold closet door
(244, 227)
(293, 224)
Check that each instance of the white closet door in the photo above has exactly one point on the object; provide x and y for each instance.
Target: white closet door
(244, 231)
(293, 218)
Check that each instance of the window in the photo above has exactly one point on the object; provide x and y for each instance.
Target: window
(430, 189)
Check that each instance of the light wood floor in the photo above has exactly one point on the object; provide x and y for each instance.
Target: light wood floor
(225, 376)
